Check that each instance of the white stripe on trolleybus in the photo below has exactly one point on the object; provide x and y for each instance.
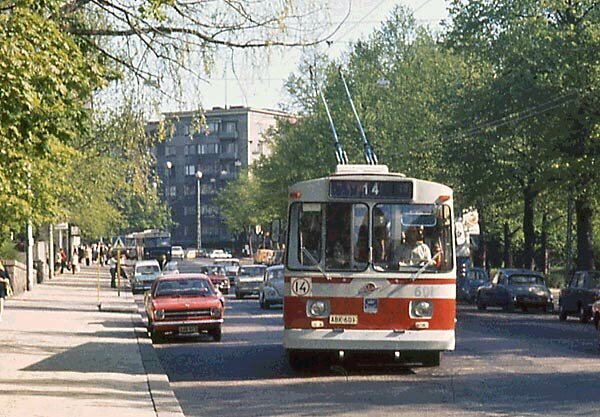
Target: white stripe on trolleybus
(384, 289)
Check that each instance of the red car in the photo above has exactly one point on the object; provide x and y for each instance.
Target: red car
(218, 276)
(184, 304)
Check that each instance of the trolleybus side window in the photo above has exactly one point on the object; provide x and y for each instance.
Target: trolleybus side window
(412, 236)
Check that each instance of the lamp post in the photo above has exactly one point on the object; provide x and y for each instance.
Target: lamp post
(169, 165)
(198, 211)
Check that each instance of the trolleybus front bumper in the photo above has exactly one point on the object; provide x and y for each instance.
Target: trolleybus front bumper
(345, 339)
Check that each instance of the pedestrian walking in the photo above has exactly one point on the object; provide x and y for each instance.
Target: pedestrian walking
(74, 261)
(5, 287)
(87, 253)
(63, 261)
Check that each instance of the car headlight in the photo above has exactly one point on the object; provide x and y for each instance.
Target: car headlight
(421, 309)
(159, 314)
(215, 312)
(317, 308)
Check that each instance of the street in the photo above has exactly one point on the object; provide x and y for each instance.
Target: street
(505, 364)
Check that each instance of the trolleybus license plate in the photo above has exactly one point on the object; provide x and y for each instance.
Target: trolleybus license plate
(343, 319)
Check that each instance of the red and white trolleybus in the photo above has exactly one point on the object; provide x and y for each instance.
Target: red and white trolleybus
(370, 267)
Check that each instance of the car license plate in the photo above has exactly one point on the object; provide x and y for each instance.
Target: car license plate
(343, 319)
(188, 329)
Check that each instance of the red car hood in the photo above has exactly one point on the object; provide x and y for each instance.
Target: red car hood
(184, 303)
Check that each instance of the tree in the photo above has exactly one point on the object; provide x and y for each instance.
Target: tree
(45, 82)
(542, 91)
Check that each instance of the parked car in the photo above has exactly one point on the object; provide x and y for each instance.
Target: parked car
(468, 285)
(512, 288)
(177, 252)
(249, 279)
(171, 267)
(217, 276)
(184, 304)
(596, 318)
(202, 253)
(577, 298)
(144, 274)
(271, 289)
(218, 254)
(232, 268)
(191, 253)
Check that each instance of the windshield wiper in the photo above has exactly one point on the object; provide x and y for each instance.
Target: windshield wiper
(315, 262)
(427, 263)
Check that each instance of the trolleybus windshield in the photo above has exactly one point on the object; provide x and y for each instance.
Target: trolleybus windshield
(339, 237)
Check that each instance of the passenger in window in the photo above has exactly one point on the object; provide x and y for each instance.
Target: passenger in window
(380, 236)
(414, 251)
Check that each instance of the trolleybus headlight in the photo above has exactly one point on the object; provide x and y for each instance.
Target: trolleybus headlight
(159, 314)
(421, 309)
(317, 308)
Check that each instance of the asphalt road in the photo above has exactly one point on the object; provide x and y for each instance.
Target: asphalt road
(505, 364)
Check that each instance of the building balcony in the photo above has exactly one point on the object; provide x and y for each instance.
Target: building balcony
(228, 155)
(228, 135)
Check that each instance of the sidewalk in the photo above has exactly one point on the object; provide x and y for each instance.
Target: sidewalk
(61, 356)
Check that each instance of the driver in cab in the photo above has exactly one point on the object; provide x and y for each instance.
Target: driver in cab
(414, 251)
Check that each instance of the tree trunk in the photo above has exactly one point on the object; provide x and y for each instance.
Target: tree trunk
(544, 244)
(584, 212)
(482, 249)
(249, 236)
(508, 259)
(528, 228)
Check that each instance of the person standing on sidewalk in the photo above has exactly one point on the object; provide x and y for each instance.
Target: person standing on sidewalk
(5, 288)
(63, 260)
(74, 260)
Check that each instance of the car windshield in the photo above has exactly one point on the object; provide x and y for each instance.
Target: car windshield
(525, 280)
(476, 275)
(184, 287)
(213, 270)
(276, 274)
(252, 270)
(147, 269)
(171, 266)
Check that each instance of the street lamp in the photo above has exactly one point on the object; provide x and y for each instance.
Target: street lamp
(169, 165)
(198, 212)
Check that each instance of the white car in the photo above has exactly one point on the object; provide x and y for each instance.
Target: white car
(177, 252)
(219, 254)
(144, 274)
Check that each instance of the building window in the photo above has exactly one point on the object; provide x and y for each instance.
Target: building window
(186, 231)
(229, 147)
(190, 149)
(230, 127)
(190, 170)
(172, 191)
(169, 150)
(189, 189)
(189, 210)
(213, 126)
(208, 148)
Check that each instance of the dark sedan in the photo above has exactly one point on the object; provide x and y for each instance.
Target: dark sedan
(468, 285)
(515, 288)
(577, 298)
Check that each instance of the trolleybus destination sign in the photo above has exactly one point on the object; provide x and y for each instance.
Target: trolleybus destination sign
(402, 190)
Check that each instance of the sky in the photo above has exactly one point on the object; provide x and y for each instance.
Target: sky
(261, 85)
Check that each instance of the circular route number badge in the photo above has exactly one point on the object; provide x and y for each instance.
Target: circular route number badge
(301, 287)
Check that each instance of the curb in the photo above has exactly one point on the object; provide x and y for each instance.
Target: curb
(164, 400)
